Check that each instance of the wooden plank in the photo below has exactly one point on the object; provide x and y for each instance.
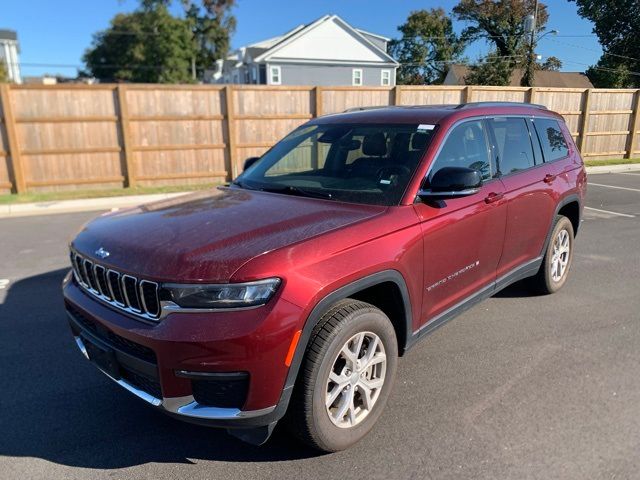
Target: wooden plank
(125, 131)
(174, 118)
(231, 130)
(256, 144)
(601, 134)
(65, 86)
(280, 116)
(73, 150)
(6, 185)
(468, 94)
(601, 154)
(178, 176)
(15, 160)
(87, 119)
(610, 112)
(196, 146)
(397, 95)
(317, 109)
(635, 121)
(74, 181)
(584, 123)
(532, 95)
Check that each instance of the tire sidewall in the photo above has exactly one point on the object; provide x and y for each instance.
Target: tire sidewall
(330, 436)
(563, 223)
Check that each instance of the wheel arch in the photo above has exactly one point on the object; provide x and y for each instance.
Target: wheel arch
(567, 205)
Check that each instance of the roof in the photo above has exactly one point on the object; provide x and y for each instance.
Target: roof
(8, 35)
(432, 114)
(541, 78)
(259, 51)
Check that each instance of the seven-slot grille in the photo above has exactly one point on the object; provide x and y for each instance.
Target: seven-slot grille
(128, 293)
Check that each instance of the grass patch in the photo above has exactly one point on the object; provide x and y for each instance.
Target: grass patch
(614, 161)
(77, 194)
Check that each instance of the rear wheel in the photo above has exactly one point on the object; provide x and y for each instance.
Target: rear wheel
(346, 376)
(557, 260)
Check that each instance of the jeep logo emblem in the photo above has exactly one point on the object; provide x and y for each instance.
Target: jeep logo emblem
(102, 253)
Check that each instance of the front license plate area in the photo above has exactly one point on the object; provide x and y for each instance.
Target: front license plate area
(103, 357)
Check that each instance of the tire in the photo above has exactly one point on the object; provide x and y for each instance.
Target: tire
(549, 279)
(343, 325)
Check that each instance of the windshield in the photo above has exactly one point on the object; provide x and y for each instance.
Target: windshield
(359, 163)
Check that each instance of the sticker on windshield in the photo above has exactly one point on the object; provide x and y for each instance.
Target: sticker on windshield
(424, 126)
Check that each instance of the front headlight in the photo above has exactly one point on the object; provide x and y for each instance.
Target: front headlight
(224, 295)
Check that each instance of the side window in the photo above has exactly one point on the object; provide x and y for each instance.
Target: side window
(553, 142)
(466, 146)
(513, 144)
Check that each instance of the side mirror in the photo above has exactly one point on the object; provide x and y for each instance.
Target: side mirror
(249, 161)
(452, 182)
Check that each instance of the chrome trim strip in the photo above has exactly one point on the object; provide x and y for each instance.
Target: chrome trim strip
(95, 275)
(113, 294)
(184, 406)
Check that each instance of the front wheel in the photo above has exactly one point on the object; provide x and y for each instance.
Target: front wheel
(346, 376)
(557, 260)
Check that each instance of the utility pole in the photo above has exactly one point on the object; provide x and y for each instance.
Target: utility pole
(530, 25)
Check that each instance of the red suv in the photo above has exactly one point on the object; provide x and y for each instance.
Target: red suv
(291, 293)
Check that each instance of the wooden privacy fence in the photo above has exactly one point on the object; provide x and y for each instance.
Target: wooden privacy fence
(79, 136)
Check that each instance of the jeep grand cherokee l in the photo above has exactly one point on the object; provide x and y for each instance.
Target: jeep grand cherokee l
(290, 294)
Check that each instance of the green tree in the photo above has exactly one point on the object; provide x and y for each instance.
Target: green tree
(616, 23)
(553, 64)
(501, 23)
(4, 75)
(427, 47)
(150, 45)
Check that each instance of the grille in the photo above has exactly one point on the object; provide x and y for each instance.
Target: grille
(149, 385)
(126, 292)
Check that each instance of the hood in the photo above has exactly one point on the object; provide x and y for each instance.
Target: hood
(207, 236)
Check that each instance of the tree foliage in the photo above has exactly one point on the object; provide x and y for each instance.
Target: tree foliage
(501, 23)
(553, 64)
(616, 23)
(4, 75)
(427, 47)
(151, 45)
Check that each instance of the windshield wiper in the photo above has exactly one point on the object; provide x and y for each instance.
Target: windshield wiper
(302, 192)
(240, 184)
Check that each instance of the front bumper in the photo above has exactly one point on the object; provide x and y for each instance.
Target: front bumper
(158, 363)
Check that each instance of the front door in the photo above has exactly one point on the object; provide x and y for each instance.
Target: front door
(463, 237)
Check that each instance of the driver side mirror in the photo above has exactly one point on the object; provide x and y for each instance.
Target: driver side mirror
(452, 182)
(249, 161)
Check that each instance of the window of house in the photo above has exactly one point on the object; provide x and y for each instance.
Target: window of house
(356, 77)
(513, 144)
(275, 75)
(385, 78)
(553, 142)
(254, 75)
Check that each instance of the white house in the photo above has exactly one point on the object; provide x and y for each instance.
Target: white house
(327, 51)
(9, 54)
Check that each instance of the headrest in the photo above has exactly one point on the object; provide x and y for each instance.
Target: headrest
(375, 145)
(419, 141)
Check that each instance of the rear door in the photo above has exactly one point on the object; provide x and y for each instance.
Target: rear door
(462, 236)
(527, 182)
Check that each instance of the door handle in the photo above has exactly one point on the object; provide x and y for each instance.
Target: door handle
(548, 178)
(493, 197)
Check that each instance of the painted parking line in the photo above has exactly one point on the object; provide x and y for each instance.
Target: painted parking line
(614, 186)
(608, 212)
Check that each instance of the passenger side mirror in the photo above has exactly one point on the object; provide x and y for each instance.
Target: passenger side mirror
(452, 182)
(249, 161)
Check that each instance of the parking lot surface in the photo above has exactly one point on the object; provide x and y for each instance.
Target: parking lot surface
(518, 387)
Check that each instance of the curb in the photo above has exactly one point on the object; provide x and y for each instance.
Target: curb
(81, 205)
(613, 168)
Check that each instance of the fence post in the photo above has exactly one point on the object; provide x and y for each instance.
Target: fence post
(231, 130)
(397, 95)
(631, 140)
(123, 114)
(584, 124)
(318, 102)
(13, 147)
(468, 94)
(532, 94)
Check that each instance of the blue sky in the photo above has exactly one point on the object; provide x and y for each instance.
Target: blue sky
(56, 33)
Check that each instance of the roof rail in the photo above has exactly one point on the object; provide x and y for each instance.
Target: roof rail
(501, 104)
(361, 109)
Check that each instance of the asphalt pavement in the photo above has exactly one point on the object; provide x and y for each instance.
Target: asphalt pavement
(518, 387)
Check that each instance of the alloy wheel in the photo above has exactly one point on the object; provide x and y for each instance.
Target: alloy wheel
(560, 257)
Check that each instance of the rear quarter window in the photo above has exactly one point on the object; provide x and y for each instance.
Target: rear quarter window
(554, 145)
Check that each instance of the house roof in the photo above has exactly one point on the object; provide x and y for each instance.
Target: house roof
(541, 78)
(262, 50)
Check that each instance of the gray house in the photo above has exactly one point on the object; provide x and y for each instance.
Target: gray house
(328, 51)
